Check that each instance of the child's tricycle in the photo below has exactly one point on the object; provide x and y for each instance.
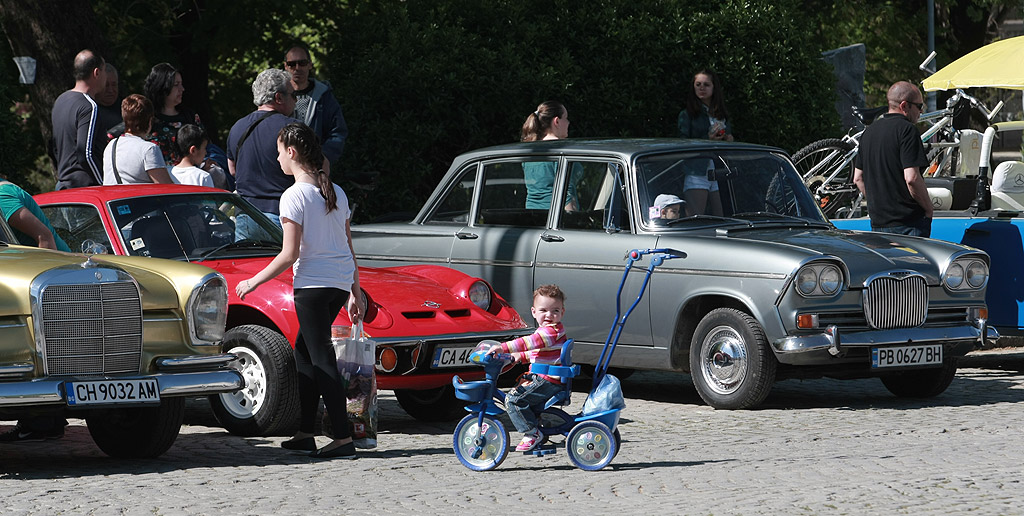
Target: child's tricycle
(481, 440)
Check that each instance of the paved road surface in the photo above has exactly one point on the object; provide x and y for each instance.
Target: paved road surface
(815, 447)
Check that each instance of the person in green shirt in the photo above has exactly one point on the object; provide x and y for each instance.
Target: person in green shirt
(30, 225)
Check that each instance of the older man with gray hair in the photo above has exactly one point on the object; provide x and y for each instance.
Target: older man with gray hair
(252, 143)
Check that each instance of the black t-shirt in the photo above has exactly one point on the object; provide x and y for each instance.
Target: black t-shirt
(889, 145)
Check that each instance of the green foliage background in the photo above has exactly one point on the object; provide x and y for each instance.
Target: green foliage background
(421, 82)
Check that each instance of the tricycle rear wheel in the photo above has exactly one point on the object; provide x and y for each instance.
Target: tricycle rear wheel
(591, 445)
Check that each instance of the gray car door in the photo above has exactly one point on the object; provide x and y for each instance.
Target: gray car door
(584, 253)
(509, 216)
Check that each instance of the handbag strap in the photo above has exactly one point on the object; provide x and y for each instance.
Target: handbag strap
(113, 161)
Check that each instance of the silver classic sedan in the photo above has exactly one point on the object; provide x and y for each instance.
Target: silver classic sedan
(768, 288)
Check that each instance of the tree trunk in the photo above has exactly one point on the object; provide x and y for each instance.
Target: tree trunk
(52, 32)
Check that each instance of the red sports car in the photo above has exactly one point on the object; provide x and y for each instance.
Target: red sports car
(425, 319)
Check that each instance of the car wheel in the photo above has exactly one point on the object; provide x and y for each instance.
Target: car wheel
(731, 364)
(922, 383)
(137, 433)
(431, 405)
(268, 404)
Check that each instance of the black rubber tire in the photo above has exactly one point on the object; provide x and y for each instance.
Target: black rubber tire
(730, 361)
(806, 158)
(266, 362)
(137, 433)
(431, 405)
(922, 383)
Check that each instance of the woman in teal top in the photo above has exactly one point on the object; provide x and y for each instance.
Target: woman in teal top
(550, 121)
(30, 225)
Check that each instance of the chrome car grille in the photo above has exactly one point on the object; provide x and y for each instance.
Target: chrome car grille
(896, 302)
(92, 329)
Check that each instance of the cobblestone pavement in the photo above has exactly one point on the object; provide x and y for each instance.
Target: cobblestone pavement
(815, 447)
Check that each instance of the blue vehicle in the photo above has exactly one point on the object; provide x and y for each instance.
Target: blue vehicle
(481, 440)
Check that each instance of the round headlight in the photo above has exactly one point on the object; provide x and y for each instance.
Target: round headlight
(480, 295)
(977, 273)
(955, 275)
(830, 279)
(806, 281)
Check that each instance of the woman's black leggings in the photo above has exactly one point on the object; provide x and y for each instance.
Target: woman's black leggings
(316, 309)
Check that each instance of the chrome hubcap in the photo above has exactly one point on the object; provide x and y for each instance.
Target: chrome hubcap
(723, 360)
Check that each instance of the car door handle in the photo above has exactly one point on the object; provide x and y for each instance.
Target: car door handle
(551, 238)
(461, 235)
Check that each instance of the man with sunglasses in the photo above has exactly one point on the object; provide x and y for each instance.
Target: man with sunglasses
(316, 105)
(889, 163)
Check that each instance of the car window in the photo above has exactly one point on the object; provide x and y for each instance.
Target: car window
(194, 226)
(77, 225)
(594, 197)
(516, 193)
(743, 184)
(457, 201)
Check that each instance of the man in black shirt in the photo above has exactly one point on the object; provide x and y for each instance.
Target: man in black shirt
(77, 148)
(888, 166)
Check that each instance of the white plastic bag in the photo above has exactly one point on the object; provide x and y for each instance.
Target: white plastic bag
(607, 396)
(356, 355)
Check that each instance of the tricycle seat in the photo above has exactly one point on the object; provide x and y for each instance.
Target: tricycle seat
(566, 371)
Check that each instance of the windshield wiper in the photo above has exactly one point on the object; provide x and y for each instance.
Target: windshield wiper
(241, 244)
(701, 216)
(774, 215)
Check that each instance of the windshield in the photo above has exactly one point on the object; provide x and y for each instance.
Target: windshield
(194, 227)
(723, 187)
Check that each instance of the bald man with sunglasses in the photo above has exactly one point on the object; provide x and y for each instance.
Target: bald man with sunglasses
(889, 163)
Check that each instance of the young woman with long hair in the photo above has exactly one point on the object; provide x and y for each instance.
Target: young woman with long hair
(315, 217)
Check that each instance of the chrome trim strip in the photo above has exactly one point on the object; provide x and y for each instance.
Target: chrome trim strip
(392, 258)
(505, 263)
(195, 361)
(161, 319)
(461, 337)
(691, 272)
(13, 325)
(51, 392)
(17, 369)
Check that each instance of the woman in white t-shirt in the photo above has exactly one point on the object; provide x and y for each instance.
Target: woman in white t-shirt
(137, 160)
(318, 246)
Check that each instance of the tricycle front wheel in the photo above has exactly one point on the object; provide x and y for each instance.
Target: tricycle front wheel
(480, 447)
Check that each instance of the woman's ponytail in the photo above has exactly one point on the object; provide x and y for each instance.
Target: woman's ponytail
(308, 154)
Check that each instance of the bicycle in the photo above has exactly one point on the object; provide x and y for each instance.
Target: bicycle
(827, 165)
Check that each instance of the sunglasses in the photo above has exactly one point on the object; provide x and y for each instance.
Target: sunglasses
(298, 62)
(920, 105)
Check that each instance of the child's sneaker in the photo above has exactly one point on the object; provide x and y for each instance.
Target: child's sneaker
(529, 442)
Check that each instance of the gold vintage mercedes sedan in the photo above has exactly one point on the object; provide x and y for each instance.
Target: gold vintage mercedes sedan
(116, 340)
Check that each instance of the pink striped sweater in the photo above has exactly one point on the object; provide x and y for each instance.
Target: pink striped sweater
(543, 346)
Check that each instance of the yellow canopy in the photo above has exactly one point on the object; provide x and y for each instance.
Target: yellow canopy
(996, 65)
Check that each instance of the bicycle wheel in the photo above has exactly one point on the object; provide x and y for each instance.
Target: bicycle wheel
(820, 158)
(480, 447)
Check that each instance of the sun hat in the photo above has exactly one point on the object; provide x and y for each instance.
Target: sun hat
(661, 202)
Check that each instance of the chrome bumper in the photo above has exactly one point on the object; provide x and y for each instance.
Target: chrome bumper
(51, 391)
(831, 340)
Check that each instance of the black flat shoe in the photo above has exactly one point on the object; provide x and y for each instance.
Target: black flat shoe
(345, 451)
(304, 444)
